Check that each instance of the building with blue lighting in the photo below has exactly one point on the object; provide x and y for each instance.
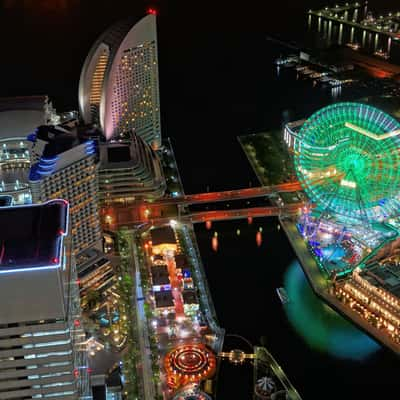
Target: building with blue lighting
(64, 165)
(41, 352)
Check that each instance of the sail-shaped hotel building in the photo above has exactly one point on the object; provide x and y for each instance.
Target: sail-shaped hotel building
(118, 88)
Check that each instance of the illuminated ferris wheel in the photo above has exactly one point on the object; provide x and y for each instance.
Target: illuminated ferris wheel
(347, 158)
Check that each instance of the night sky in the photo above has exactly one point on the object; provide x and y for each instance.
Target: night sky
(212, 58)
(211, 55)
(44, 42)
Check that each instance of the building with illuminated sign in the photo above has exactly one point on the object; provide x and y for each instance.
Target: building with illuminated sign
(64, 165)
(41, 355)
(118, 88)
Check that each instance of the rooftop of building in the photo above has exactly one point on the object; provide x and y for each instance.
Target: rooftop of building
(58, 138)
(181, 261)
(131, 153)
(189, 296)
(160, 275)
(162, 235)
(384, 276)
(6, 201)
(53, 141)
(19, 116)
(33, 237)
(164, 299)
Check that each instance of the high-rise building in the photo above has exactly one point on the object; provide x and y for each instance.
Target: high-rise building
(129, 171)
(41, 353)
(64, 165)
(19, 116)
(118, 88)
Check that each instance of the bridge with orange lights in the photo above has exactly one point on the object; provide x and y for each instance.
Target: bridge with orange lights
(227, 195)
(253, 212)
(114, 217)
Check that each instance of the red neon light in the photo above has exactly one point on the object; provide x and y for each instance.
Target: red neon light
(55, 260)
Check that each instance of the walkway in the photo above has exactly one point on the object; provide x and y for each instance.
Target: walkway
(253, 212)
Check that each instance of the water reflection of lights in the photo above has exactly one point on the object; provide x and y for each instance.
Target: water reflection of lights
(214, 243)
(321, 327)
(258, 238)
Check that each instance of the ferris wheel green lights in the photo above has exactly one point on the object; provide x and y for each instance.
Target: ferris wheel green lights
(347, 158)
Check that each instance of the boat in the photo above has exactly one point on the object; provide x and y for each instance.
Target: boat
(282, 294)
(290, 60)
(354, 46)
(382, 54)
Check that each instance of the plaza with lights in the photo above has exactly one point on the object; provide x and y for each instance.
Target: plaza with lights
(346, 157)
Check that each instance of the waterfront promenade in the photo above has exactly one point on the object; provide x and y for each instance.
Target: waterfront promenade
(322, 287)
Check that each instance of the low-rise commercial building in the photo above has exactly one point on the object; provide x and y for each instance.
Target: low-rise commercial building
(373, 293)
(160, 278)
(164, 302)
(163, 240)
(190, 302)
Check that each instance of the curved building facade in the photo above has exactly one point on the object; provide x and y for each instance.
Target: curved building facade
(118, 87)
(129, 171)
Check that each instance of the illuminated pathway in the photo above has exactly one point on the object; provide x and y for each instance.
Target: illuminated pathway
(253, 212)
(175, 286)
(115, 216)
(212, 197)
(221, 215)
(226, 195)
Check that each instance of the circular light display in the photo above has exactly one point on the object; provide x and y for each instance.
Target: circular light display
(191, 363)
(347, 160)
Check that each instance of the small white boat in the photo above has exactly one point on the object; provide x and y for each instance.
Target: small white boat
(283, 296)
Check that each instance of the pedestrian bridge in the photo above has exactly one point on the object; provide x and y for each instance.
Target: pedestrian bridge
(163, 210)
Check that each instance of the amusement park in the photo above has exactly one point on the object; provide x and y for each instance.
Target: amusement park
(346, 158)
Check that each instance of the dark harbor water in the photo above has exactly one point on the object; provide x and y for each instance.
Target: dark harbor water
(323, 354)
